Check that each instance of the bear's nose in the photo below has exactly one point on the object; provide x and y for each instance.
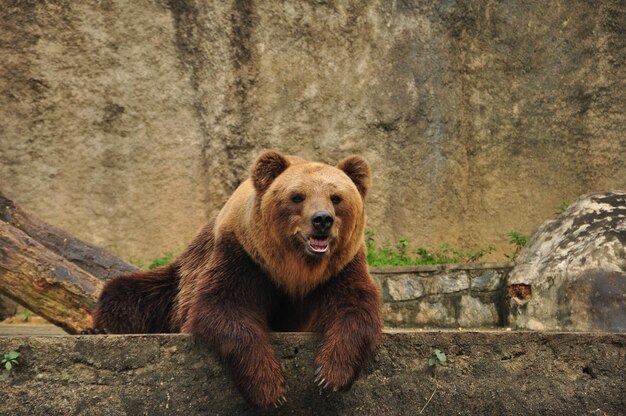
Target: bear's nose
(322, 220)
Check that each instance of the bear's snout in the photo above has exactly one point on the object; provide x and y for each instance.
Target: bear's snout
(322, 221)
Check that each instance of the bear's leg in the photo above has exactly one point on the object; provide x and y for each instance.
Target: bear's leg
(348, 315)
(229, 313)
(137, 303)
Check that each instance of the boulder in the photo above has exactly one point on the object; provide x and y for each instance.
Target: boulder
(572, 273)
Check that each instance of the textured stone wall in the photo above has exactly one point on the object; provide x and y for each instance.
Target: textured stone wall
(452, 296)
(129, 123)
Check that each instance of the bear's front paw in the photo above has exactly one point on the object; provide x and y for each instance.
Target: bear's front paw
(334, 374)
(93, 331)
(267, 386)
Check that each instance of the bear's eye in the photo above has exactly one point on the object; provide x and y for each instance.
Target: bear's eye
(335, 199)
(297, 198)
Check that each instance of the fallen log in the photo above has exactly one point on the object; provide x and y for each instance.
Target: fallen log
(95, 260)
(49, 271)
(44, 282)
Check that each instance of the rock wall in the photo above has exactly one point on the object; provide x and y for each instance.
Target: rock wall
(450, 296)
(129, 123)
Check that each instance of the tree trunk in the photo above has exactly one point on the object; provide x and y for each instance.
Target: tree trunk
(50, 272)
(95, 260)
(45, 282)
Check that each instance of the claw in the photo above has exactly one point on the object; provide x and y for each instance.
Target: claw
(326, 385)
(321, 382)
(317, 378)
(317, 371)
(335, 388)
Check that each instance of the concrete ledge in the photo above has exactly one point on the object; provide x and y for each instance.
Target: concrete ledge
(513, 373)
(439, 267)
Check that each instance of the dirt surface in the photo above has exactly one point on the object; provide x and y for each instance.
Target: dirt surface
(508, 373)
(129, 123)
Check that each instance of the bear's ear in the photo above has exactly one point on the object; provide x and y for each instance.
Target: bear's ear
(358, 170)
(266, 168)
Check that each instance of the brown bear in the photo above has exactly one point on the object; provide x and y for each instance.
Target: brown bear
(285, 253)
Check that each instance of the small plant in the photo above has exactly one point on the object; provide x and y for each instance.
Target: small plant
(401, 247)
(161, 261)
(473, 257)
(24, 316)
(518, 240)
(399, 255)
(437, 357)
(155, 263)
(444, 255)
(9, 360)
(564, 205)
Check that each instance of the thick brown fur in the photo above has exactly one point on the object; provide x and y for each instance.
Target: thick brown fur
(253, 270)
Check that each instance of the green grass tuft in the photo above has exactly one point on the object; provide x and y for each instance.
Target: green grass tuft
(161, 261)
(398, 255)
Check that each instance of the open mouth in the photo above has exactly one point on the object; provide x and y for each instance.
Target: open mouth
(317, 244)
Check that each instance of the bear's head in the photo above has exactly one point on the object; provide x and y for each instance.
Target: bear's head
(312, 215)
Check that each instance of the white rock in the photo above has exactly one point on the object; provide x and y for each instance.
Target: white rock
(575, 269)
